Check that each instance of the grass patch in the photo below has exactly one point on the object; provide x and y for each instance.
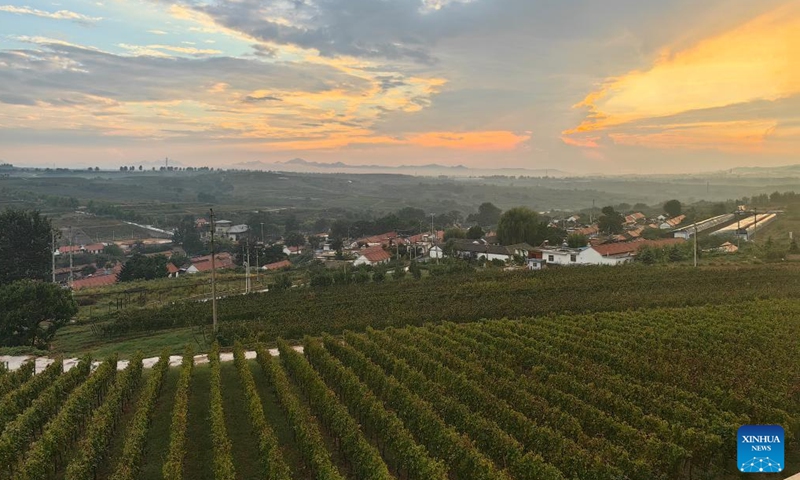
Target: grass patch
(79, 340)
(199, 448)
(158, 435)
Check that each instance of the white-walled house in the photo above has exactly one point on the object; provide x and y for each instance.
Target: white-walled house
(372, 256)
(607, 254)
(436, 252)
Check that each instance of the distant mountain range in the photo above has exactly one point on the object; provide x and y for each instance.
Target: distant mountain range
(432, 169)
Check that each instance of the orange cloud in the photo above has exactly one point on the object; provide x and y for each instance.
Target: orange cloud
(735, 136)
(756, 61)
(487, 140)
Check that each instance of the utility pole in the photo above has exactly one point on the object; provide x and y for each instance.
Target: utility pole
(433, 237)
(262, 233)
(247, 270)
(755, 221)
(213, 278)
(258, 266)
(70, 258)
(591, 215)
(695, 244)
(53, 253)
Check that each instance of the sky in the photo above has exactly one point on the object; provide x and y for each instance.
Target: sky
(618, 86)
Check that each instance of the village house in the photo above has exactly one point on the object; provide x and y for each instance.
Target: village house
(372, 256)
(237, 232)
(383, 240)
(67, 249)
(203, 264)
(94, 248)
(173, 271)
(277, 265)
(672, 222)
(293, 250)
(221, 227)
(605, 254)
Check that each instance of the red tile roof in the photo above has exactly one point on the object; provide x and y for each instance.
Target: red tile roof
(95, 247)
(67, 249)
(93, 282)
(622, 248)
(278, 265)
(380, 239)
(222, 260)
(171, 268)
(376, 254)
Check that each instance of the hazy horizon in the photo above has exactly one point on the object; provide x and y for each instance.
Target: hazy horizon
(620, 87)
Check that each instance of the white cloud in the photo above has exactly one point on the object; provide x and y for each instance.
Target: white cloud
(58, 15)
(159, 50)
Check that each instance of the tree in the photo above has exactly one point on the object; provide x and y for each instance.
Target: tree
(140, 267)
(488, 214)
(475, 232)
(113, 250)
(187, 237)
(521, 224)
(610, 221)
(793, 248)
(295, 239)
(379, 274)
(25, 243)
(673, 208)
(647, 255)
(31, 312)
(454, 233)
(415, 271)
(291, 225)
(577, 240)
(315, 242)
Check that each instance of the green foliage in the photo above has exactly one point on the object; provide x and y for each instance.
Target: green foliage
(173, 464)
(223, 459)
(301, 311)
(365, 459)
(31, 312)
(323, 279)
(44, 458)
(140, 267)
(577, 240)
(379, 274)
(187, 236)
(24, 428)
(294, 239)
(128, 463)
(475, 232)
(673, 208)
(398, 270)
(454, 233)
(611, 221)
(306, 432)
(273, 466)
(93, 448)
(415, 271)
(488, 214)
(793, 247)
(520, 225)
(25, 245)
(282, 282)
(113, 250)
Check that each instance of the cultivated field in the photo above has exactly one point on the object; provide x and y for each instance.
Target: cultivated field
(653, 394)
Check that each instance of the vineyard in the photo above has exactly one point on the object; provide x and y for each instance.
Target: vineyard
(639, 395)
(462, 298)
